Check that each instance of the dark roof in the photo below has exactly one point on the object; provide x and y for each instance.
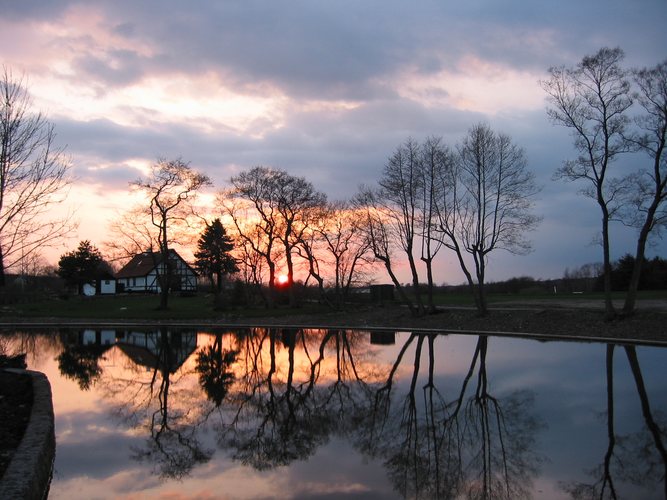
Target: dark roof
(143, 263)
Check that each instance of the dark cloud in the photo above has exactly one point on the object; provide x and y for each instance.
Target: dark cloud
(343, 50)
(349, 49)
(29, 10)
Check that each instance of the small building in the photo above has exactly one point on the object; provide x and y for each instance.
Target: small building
(142, 272)
(104, 284)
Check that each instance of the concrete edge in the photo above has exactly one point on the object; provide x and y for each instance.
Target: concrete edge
(29, 473)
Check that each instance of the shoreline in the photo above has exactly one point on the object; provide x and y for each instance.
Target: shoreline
(647, 326)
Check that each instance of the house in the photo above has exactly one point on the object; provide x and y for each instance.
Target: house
(104, 284)
(141, 273)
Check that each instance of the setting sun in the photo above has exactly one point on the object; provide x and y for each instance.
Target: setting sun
(282, 279)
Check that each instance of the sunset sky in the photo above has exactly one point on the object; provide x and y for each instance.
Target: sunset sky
(322, 89)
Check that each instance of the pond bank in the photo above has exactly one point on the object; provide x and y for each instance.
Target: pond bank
(649, 324)
(28, 474)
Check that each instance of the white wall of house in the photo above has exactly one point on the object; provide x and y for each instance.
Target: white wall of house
(107, 287)
(139, 284)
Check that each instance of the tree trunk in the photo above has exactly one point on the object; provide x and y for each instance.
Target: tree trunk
(415, 284)
(272, 284)
(479, 304)
(631, 296)
(164, 280)
(3, 281)
(413, 310)
(429, 277)
(164, 296)
(482, 308)
(290, 276)
(610, 312)
(218, 299)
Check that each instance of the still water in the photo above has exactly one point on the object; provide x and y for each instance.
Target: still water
(321, 414)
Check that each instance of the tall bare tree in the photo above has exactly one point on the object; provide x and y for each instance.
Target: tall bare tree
(34, 176)
(348, 247)
(592, 100)
(338, 244)
(278, 205)
(647, 206)
(436, 157)
(487, 201)
(400, 194)
(172, 186)
(376, 227)
(298, 204)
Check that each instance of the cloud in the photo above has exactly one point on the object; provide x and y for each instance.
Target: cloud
(325, 90)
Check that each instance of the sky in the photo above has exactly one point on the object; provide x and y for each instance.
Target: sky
(322, 89)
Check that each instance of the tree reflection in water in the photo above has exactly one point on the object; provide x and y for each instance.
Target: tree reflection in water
(275, 395)
(639, 458)
(274, 418)
(214, 367)
(81, 363)
(172, 444)
(479, 446)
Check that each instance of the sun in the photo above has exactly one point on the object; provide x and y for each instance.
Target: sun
(283, 279)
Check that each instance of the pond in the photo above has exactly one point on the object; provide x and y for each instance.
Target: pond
(314, 414)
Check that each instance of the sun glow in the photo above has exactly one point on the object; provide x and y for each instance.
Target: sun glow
(282, 279)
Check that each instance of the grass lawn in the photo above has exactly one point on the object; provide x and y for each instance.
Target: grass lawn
(200, 307)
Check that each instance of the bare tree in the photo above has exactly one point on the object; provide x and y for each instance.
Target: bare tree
(400, 194)
(171, 186)
(310, 248)
(436, 158)
(298, 204)
(648, 212)
(592, 101)
(34, 176)
(254, 212)
(376, 228)
(487, 202)
(347, 246)
(336, 251)
(131, 232)
(278, 205)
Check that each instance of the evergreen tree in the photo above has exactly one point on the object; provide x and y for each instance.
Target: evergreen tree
(213, 258)
(81, 266)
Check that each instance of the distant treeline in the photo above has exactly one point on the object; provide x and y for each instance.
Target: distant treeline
(586, 278)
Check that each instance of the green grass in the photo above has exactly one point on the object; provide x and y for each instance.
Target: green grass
(144, 307)
(200, 307)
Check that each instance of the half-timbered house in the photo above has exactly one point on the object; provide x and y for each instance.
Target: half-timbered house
(144, 271)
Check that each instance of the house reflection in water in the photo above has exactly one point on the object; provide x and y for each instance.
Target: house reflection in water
(97, 337)
(166, 349)
(162, 348)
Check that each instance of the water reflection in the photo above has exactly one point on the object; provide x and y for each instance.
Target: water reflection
(474, 445)
(440, 413)
(638, 458)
